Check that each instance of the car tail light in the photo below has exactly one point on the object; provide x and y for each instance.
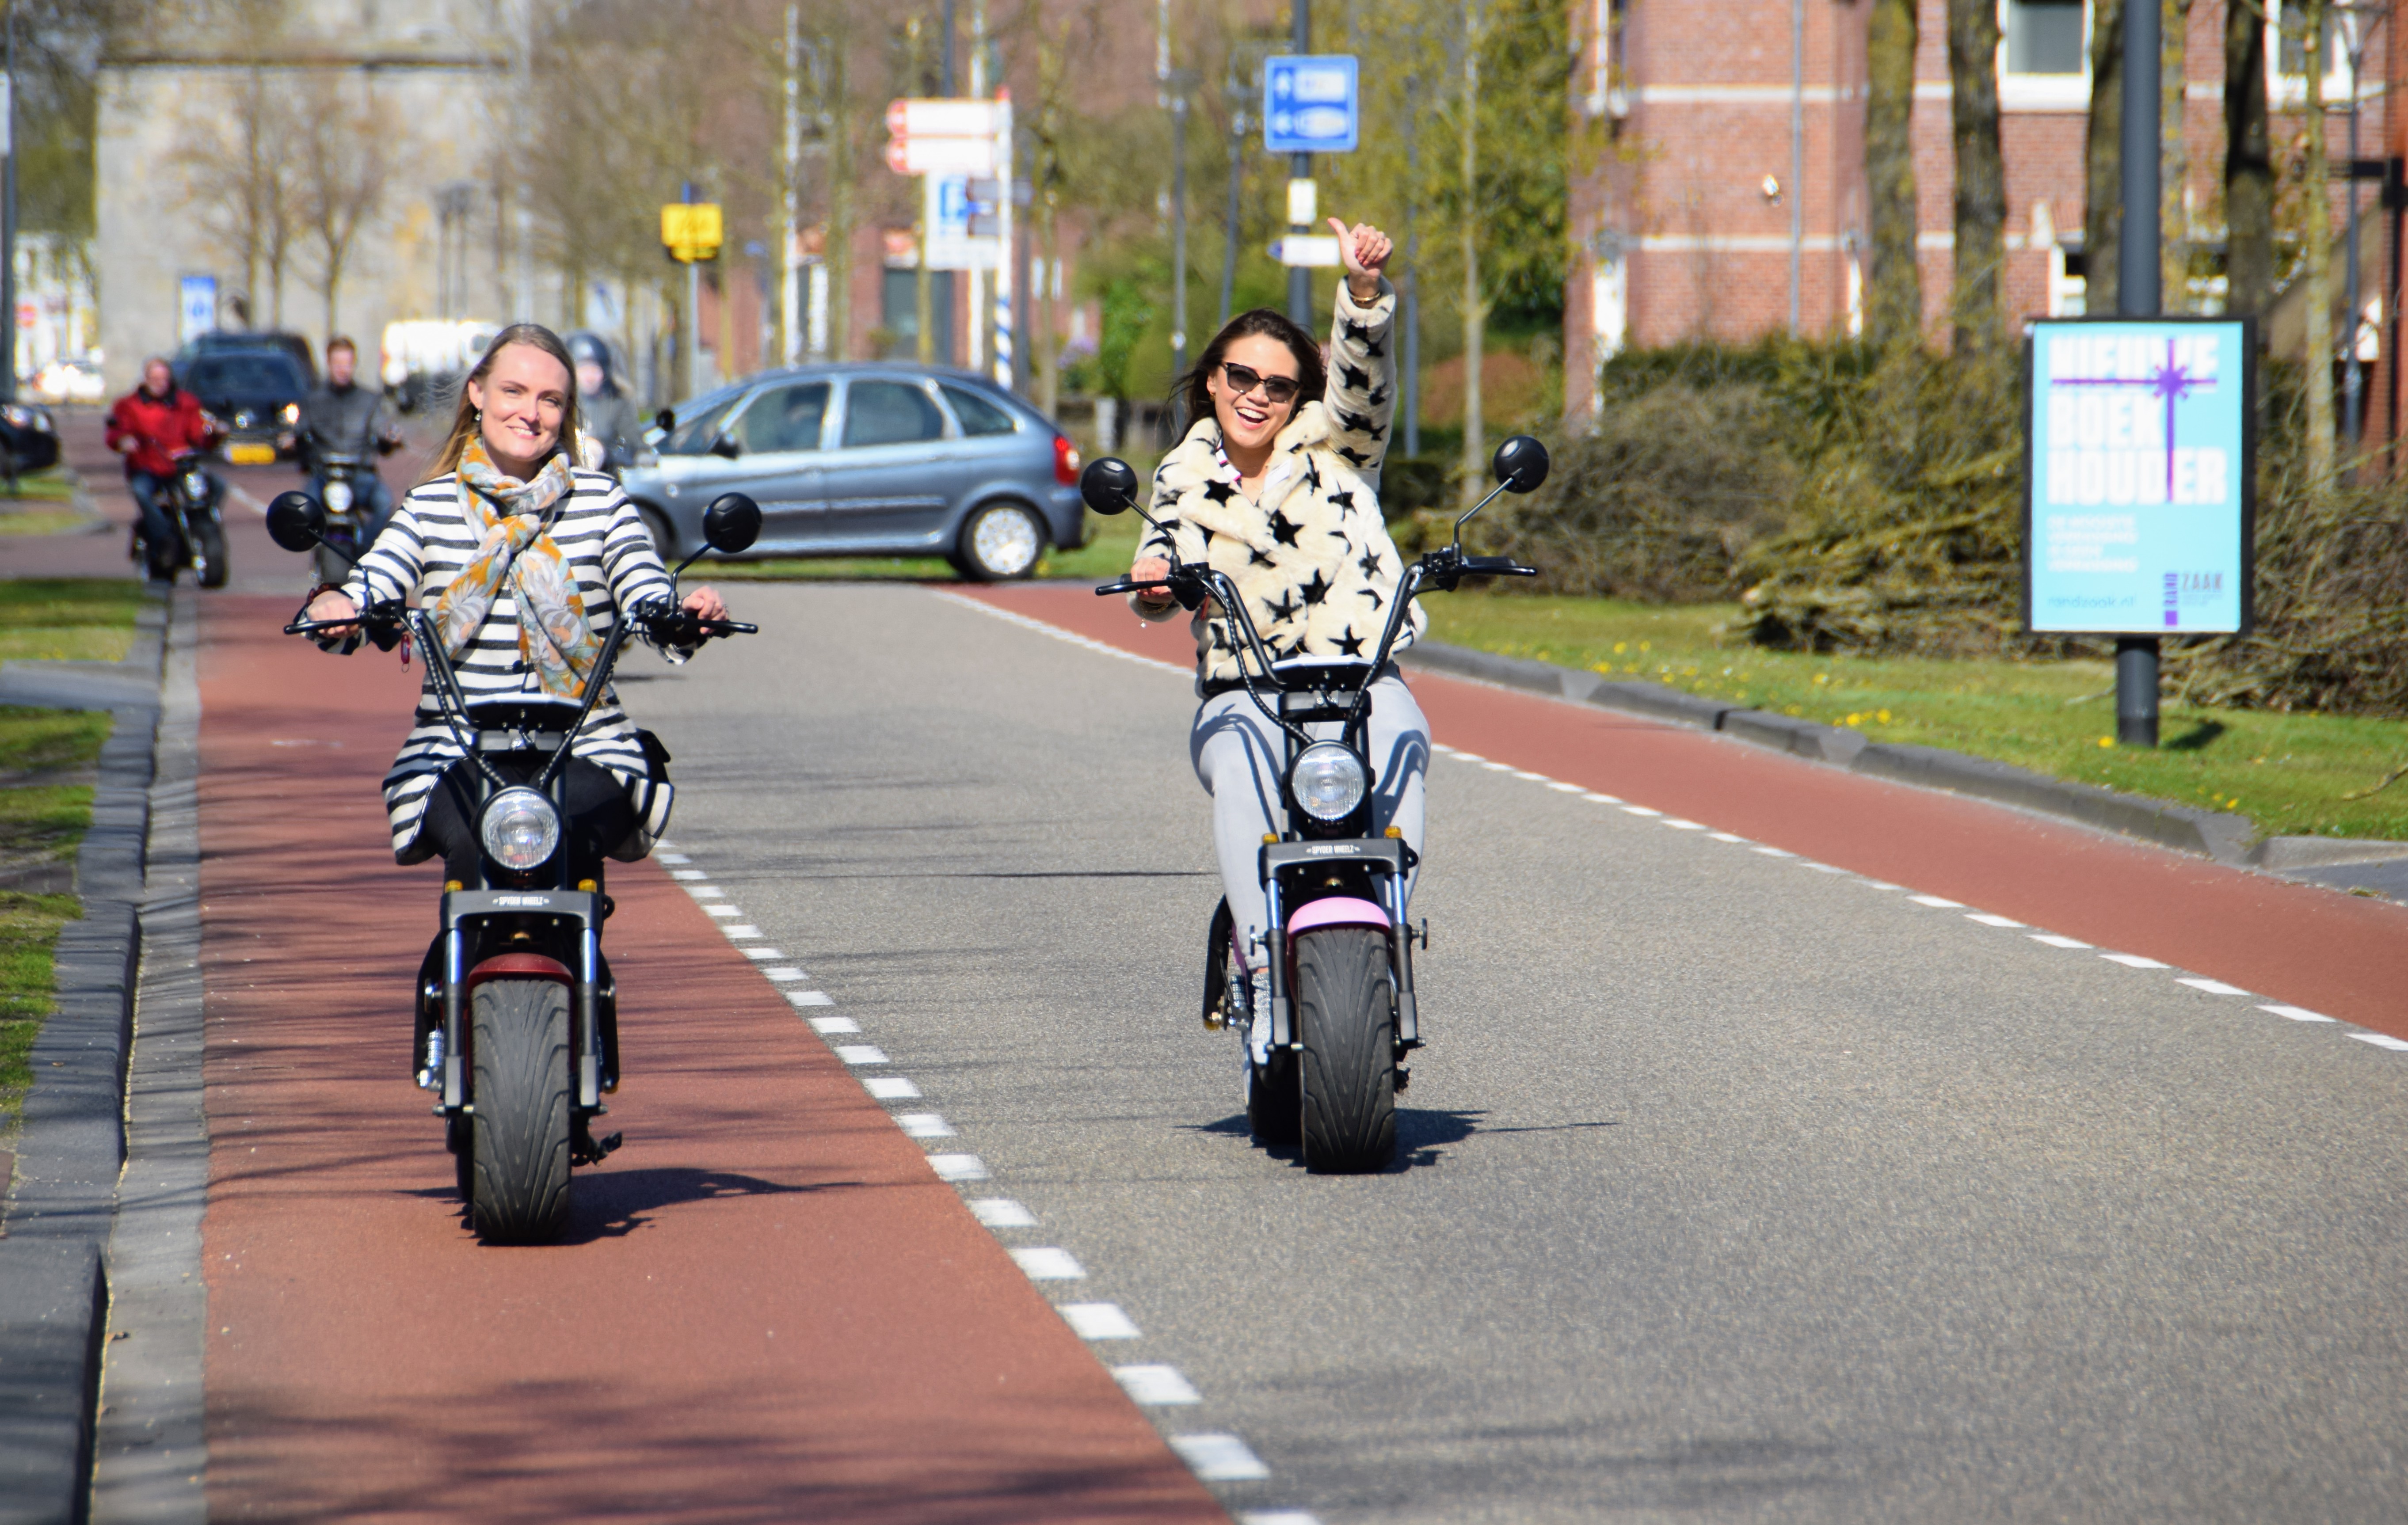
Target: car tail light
(1065, 461)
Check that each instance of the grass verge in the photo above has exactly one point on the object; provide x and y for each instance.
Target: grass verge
(68, 619)
(29, 925)
(2287, 773)
(46, 756)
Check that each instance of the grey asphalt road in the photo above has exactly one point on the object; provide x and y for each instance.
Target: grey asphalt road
(1730, 1190)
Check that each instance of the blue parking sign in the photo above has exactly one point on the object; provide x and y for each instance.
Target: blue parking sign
(1309, 104)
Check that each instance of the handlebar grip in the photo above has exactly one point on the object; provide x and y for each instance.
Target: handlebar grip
(1127, 585)
(727, 627)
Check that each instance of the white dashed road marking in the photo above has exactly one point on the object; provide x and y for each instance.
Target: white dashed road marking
(1048, 1264)
(2383, 1040)
(1219, 1459)
(2134, 961)
(2297, 1014)
(1988, 920)
(2213, 987)
(925, 1125)
(2052, 940)
(957, 1167)
(861, 1053)
(825, 1026)
(1155, 1385)
(1099, 1322)
(891, 1088)
(1002, 1213)
(1938, 902)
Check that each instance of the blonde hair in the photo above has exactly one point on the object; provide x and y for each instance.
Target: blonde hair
(465, 419)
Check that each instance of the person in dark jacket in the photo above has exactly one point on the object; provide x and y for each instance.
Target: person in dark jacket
(148, 426)
(347, 419)
(603, 405)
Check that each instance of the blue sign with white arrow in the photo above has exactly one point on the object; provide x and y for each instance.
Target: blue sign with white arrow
(1310, 104)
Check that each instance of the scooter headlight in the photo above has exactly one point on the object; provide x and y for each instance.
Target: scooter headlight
(521, 829)
(339, 497)
(1328, 781)
(196, 487)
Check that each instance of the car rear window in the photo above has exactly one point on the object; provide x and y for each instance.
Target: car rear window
(889, 413)
(978, 415)
(244, 376)
(783, 417)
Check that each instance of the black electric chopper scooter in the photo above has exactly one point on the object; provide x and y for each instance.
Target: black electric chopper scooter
(1341, 1010)
(517, 1009)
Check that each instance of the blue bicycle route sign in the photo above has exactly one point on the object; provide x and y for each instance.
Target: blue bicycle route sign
(1309, 102)
(2139, 511)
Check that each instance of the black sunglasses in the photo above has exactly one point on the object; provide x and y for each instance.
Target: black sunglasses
(1279, 389)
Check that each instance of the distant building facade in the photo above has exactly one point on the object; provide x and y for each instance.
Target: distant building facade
(1732, 199)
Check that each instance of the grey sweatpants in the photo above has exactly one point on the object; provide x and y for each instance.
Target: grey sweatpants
(1239, 754)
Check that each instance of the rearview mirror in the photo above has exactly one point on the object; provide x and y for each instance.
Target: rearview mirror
(1521, 465)
(1109, 485)
(731, 523)
(296, 520)
(666, 420)
(725, 448)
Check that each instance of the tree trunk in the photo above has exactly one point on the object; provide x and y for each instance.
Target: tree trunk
(2319, 253)
(1894, 307)
(2174, 211)
(838, 248)
(1475, 310)
(1980, 223)
(2103, 208)
(2248, 165)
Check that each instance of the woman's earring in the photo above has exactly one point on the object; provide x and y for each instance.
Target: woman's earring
(476, 415)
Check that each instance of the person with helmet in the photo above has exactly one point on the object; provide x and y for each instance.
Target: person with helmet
(604, 407)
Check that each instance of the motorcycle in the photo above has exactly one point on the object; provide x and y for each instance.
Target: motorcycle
(347, 511)
(1341, 1009)
(190, 498)
(517, 1009)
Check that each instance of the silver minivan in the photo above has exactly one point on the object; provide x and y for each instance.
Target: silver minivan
(869, 459)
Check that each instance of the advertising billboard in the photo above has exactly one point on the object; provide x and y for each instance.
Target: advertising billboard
(2140, 495)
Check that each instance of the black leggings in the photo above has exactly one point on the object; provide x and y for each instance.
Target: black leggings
(601, 819)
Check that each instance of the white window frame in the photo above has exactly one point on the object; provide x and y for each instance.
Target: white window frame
(2044, 92)
(2290, 91)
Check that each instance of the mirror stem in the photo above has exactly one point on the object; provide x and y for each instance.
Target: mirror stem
(1474, 509)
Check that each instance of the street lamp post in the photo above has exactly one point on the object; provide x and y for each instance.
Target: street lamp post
(2138, 295)
(1300, 280)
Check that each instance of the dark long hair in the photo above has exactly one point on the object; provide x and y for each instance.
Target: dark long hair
(1311, 376)
(464, 418)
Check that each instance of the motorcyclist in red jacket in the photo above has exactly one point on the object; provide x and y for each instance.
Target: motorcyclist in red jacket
(148, 426)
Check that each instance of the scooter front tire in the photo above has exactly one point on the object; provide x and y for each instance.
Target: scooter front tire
(1345, 1012)
(519, 1054)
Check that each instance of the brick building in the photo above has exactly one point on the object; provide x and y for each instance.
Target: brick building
(1733, 199)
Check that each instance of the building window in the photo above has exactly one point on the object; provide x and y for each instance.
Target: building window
(2047, 37)
(2043, 55)
(2286, 57)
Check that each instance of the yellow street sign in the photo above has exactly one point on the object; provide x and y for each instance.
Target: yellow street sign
(691, 231)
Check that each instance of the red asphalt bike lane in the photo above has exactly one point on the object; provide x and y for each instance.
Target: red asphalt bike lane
(2334, 954)
(767, 1308)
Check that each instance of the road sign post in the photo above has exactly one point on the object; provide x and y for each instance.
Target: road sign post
(1309, 106)
(691, 232)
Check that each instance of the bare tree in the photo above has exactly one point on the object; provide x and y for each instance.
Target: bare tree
(1895, 312)
(2173, 208)
(1981, 246)
(346, 149)
(240, 183)
(2316, 206)
(2102, 216)
(2248, 162)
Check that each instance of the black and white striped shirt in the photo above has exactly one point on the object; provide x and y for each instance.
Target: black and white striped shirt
(428, 543)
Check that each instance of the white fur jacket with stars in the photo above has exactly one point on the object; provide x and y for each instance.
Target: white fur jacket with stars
(1312, 556)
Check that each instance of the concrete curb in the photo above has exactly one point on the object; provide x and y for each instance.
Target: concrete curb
(2226, 838)
(57, 1219)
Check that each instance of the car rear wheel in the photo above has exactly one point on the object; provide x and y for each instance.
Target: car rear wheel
(1000, 542)
(663, 539)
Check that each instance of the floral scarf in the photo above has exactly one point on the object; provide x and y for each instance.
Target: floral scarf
(554, 639)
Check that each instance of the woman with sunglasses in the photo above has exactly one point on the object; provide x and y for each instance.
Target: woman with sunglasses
(1276, 484)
